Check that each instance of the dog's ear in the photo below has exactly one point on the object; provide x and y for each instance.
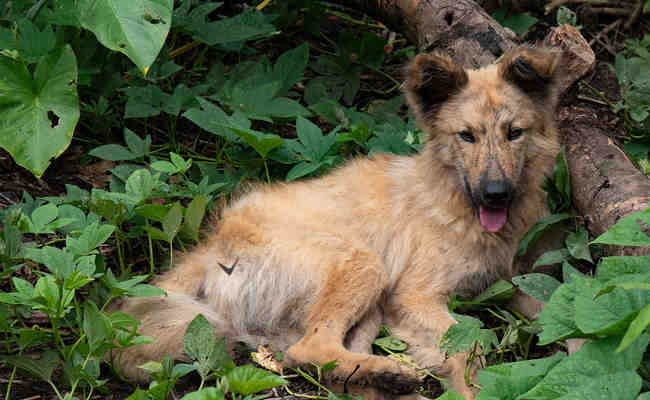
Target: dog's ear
(430, 80)
(533, 70)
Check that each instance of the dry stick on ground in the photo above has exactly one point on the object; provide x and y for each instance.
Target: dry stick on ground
(472, 38)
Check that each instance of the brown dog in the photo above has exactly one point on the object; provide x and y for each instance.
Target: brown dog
(319, 264)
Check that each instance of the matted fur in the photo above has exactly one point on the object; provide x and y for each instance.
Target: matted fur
(321, 263)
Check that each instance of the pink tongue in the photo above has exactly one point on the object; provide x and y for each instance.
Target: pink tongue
(493, 219)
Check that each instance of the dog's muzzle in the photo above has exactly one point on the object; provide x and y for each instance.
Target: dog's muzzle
(495, 199)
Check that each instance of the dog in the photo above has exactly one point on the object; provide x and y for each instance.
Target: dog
(314, 267)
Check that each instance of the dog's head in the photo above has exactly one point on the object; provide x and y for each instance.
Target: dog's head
(486, 123)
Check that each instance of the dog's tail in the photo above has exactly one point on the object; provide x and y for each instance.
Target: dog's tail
(165, 319)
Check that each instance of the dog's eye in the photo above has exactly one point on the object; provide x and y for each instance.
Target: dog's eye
(515, 133)
(467, 136)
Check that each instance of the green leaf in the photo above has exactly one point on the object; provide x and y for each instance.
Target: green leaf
(595, 372)
(39, 111)
(244, 26)
(42, 216)
(618, 266)
(538, 286)
(636, 328)
(205, 394)
(303, 169)
(137, 146)
(509, 380)
(214, 120)
(172, 221)
(136, 28)
(164, 166)
(461, 337)
(94, 326)
(578, 246)
(247, 379)
(631, 230)
(91, 237)
(34, 43)
(314, 145)
(193, 217)
(391, 343)
(290, 67)
(112, 152)
(262, 143)
(140, 185)
(498, 292)
(199, 343)
(538, 230)
(552, 257)
(557, 319)
(154, 212)
(41, 368)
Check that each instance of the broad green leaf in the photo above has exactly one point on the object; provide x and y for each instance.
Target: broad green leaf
(172, 221)
(39, 111)
(214, 120)
(303, 169)
(136, 28)
(631, 230)
(636, 328)
(315, 144)
(137, 146)
(552, 257)
(145, 290)
(509, 380)
(43, 215)
(41, 368)
(244, 26)
(261, 142)
(617, 266)
(164, 166)
(538, 286)
(205, 394)
(609, 313)
(199, 343)
(538, 230)
(462, 336)
(498, 292)
(34, 43)
(595, 372)
(557, 317)
(578, 246)
(112, 152)
(91, 237)
(94, 326)
(154, 212)
(247, 380)
(290, 67)
(140, 185)
(193, 217)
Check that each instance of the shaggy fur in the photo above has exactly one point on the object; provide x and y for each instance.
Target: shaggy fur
(319, 264)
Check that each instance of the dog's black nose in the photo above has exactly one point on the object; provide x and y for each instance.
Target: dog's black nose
(496, 192)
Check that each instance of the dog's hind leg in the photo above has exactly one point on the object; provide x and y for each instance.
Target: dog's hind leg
(165, 318)
(353, 286)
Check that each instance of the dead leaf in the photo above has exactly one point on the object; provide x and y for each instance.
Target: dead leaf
(266, 359)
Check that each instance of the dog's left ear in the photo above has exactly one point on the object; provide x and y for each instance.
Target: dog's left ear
(534, 71)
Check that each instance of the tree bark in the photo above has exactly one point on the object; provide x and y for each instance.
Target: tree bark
(606, 185)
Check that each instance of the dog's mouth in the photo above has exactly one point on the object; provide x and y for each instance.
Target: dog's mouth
(493, 219)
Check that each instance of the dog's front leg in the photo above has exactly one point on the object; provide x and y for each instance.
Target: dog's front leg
(421, 321)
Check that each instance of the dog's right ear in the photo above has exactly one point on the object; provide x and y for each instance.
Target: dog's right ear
(431, 79)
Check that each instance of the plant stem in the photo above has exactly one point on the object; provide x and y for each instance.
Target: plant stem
(11, 380)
